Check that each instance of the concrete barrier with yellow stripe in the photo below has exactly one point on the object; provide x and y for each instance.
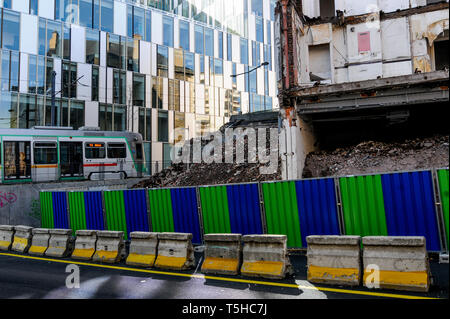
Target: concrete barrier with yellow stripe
(265, 256)
(175, 251)
(110, 247)
(222, 254)
(143, 249)
(334, 259)
(6, 236)
(60, 243)
(22, 238)
(399, 263)
(39, 242)
(84, 244)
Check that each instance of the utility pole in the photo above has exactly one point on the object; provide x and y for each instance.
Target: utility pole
(53, 114)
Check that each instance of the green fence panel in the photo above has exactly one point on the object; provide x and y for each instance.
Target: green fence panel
(280, 202)
(77, 212)
(115, 212)
(363, 205)
(443, 177)
(161, 210)
(46, 200)
(216, 217)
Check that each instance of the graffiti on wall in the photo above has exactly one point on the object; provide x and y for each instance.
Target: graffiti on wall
(7, 199)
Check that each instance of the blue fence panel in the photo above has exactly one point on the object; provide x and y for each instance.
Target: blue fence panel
(185, 212)
(60, 213)
(244, 209)
(317, 207)
(410, 208)
(94, 210)
(136, 211)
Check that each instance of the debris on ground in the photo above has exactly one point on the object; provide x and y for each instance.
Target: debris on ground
(380, 157)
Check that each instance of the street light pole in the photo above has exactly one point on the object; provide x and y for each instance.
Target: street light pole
(262, 64)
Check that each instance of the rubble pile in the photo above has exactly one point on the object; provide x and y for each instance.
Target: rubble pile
(195, 174)
(380, 157)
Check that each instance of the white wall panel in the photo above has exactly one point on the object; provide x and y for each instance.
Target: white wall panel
(29, 34)
(46, 9)
(91, 114)
(85, 83)
(157, 28)
(78, 44)
(21, 5)
(23, 76)
(102, 48)
(102, 85)
(120, 18)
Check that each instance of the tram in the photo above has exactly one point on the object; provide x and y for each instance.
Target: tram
(45, 154)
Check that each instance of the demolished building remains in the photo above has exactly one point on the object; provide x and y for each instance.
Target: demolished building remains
(348, 69)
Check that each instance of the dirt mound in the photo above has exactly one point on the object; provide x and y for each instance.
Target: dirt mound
(380, 157)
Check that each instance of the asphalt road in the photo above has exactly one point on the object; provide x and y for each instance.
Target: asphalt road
(25, 276)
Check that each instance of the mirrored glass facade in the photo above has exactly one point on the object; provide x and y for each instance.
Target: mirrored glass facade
(149, 66)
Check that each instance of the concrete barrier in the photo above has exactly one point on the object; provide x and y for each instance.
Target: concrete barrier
(175, 251)
(39, 242)
(401, 263)
(22, 238)
(222, 254)
(6, 236)
(110, 247)
(60, 243)
(143, 249)
(265, 256)
(85, 241)
(334, 260)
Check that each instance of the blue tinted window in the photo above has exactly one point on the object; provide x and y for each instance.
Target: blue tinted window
(257, 7)
(259, 29)
(138, 23)
(184, 35)
(209, 42)
(96, 17)
(269, 33)
(229, 48)
(7, 4)
(34, 7)
(107, 15)
(86, 7)
(199, 46)
(148, 26)
(11, 30)
(168, 31)
(244, 51)
(130, 20)
(220, 40)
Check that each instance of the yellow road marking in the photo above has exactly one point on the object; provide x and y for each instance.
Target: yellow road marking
(256, 282)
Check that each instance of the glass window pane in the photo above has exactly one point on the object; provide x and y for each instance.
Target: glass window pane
(11, 30)
(86, 11)
(95, 83)
(45, 153)
(259, 29)
(184, 35)
(8, 110)
(113, 50)
(189, 65)
(138, 90)
(14, 78)
(163, 126)
(138, 23)
(34, 7)
(92, 46)
(32, 74)
(244, 51)
(41, 75)
(220, 40)
(229, 48)
(53, 42)
(168, 31)
(148, 26)
(120, 118)
(199, 46)
(107, 15)
(178, 62)
(209, 42)
(133, 55)
(162, 61)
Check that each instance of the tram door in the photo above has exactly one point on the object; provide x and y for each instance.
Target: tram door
(71, 159)
(17, 160)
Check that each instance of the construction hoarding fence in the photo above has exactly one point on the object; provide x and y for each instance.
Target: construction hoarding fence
(392, 204)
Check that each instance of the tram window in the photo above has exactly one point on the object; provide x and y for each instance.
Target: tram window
(17, 159)
(117, 150)
(45, 153)
(95, 150)
(139, 151)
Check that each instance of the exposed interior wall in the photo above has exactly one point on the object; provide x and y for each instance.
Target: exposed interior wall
(373, 49)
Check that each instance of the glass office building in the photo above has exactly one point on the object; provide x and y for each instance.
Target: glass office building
(158, 67)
